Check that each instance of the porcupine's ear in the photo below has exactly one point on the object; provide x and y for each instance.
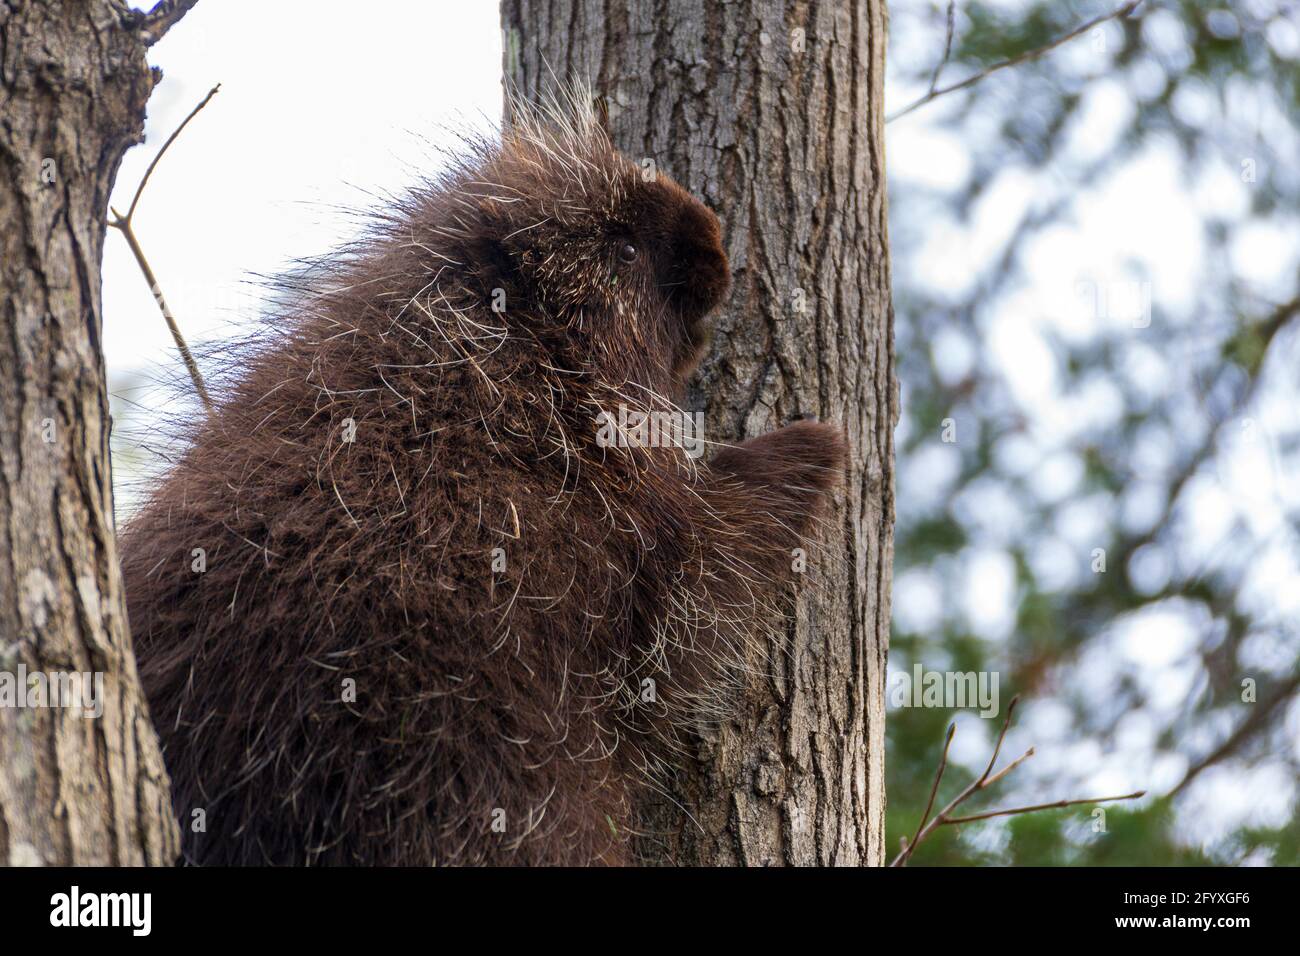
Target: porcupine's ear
(493, 264)
(486, 246)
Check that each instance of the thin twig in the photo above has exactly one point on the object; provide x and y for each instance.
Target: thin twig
(934, 94)
(123, 224)
(1009, 767)
(949, 29)
(985, 780)
(934, 789)
(997, 748)
(1054, 805)
(135, 200)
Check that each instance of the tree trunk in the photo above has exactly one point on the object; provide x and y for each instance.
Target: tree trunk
(772, 113)
(74, 789)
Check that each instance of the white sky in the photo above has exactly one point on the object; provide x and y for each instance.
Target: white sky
(321, 102)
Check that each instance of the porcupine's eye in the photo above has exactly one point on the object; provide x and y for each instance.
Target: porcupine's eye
(628, 253)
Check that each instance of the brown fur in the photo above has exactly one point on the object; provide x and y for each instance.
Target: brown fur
(522, 690)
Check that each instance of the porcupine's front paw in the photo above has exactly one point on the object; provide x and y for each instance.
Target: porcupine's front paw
(790, 471)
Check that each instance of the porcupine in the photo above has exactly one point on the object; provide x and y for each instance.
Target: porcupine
(396, 602)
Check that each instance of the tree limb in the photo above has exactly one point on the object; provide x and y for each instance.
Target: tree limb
(1054, 805)
(949, 28)
(1258, 720)
(1025, 57)
(985, 780)
(135, 200)
(123, 224)
(165, 15)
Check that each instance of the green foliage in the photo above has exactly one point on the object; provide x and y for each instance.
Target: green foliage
(1135, 448)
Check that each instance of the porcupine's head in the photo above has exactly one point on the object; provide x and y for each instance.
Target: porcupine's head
(583, 248)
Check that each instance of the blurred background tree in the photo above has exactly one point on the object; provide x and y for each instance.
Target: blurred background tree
(1096, 278)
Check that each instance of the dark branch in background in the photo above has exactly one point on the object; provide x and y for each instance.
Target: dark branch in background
(1267, 330)
(123, 225)
(985, 780)
(1259, 718)
(934, 93)
(949, 29)
(165, 15)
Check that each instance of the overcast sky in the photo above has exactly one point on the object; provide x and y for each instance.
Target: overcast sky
(321, 104)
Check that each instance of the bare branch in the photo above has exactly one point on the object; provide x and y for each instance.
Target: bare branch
(165, 15)
(123, 224)
(950, 26)
(985, 780)
(1009, 767)
(1025, 57)
(1055, 805)
(997, 748)
(135, 200)
(934, 789)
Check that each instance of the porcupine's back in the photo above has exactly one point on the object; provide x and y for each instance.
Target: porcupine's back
(477, 690)
(435, 620)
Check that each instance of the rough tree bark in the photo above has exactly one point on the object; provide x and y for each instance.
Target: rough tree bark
(772, 112)
(73, 790)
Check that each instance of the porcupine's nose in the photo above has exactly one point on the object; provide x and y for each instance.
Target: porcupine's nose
(703, 275)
